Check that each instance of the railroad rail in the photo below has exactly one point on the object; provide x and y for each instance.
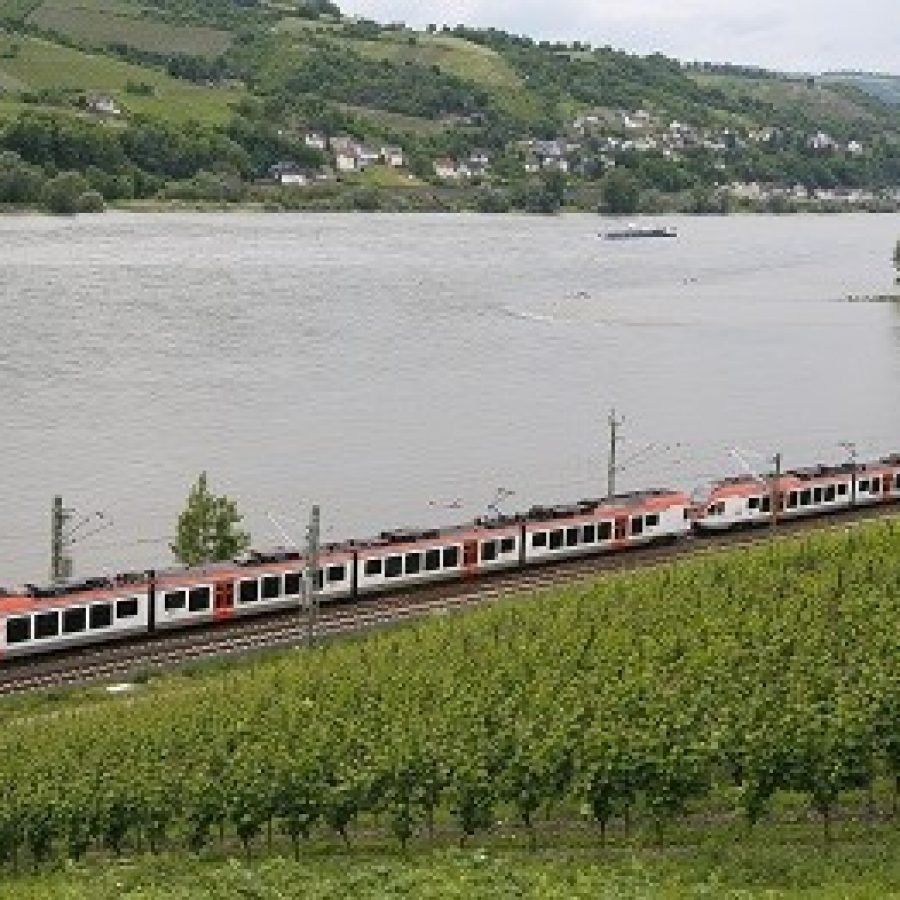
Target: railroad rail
(163, 651)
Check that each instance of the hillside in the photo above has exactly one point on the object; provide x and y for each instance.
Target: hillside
(729, 719)
(502, 119)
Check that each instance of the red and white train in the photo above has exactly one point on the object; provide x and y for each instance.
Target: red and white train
(40, 620)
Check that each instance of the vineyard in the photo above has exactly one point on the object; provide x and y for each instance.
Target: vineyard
(629, 701)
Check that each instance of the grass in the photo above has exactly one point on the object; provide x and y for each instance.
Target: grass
(811, 101)
(453, 55)
(719, 867)
(384, 118)
(41, 65)
(382, 176)
(97, 23)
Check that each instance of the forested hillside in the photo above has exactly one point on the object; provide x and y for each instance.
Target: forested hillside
(503, 119)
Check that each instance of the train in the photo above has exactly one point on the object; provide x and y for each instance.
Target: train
(47, 619)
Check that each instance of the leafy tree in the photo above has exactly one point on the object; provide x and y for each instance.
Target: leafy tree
(208, 528)
(61, 194)
(621, 193)
(91, 202)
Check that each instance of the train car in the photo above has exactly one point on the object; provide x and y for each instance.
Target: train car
(412, 557)
(44, 620)
(813, 491)
(592, 526)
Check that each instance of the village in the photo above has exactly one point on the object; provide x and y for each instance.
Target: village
(588, 148)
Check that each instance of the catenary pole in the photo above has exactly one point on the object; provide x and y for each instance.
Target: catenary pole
(312, 572)
(775, 499)
(615, 424)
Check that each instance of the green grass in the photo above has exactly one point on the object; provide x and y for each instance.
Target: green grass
(41, 65)
(790, 96)
(717, 869)
(383, 118)
(453, 55)
(97, 23)
(383, 177)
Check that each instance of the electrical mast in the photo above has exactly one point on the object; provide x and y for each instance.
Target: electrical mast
(614, 437)
(312, 572)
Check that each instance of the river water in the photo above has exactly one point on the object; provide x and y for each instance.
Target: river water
(400, 369)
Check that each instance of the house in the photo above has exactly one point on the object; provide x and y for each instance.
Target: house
(290, 173)
(315, 140)
(393, 157)
(346, 161)
(366, 156)
(343, 144)
(480, 159)
(821, 142)
(103, 105)
(855, 148)
(532, 165)
(446, 168)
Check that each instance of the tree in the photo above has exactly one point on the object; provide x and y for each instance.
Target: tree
(61, 194)
(621, 192)
(897, 260)
(208, 528)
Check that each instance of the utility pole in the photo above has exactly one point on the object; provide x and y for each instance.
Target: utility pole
(614, 437)
(61, 565)
(775, 498)
(312, 572)
(850, 447)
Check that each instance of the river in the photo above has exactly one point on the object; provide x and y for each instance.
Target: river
(398, 370)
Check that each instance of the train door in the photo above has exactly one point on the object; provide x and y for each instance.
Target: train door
(470, 557)
(223, 600)
(621, 531)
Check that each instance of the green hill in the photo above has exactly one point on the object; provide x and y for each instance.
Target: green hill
(266, 71)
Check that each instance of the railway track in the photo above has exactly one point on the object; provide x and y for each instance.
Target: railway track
(163, 651)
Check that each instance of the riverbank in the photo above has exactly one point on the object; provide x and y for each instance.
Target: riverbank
(337, 197)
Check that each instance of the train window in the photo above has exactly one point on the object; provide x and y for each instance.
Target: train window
(805, 497)
(451, 557)
(792, 499)
(199, 599)
(829, 493)
(842, 489)
(271, 587)
(864, 485)
(817, 495)
(766, 504)
(101, 614)
(248, 592)
(336, 573)
(75, 620)
(556, 539)
(508, 545)
(753, 503)
(413, 563)
(897, 482)
(18, 630)
(292, 584)
(488, 551)
(590, 534)
(652, 520)
(393, 566)
(604, 531)
(572, 536)
(432, 560)
(373, 567)
(539, 539)
(126, 609)
(172, 601)
(46, 625)
(319, 579)
(637, 524)
(876, 485)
